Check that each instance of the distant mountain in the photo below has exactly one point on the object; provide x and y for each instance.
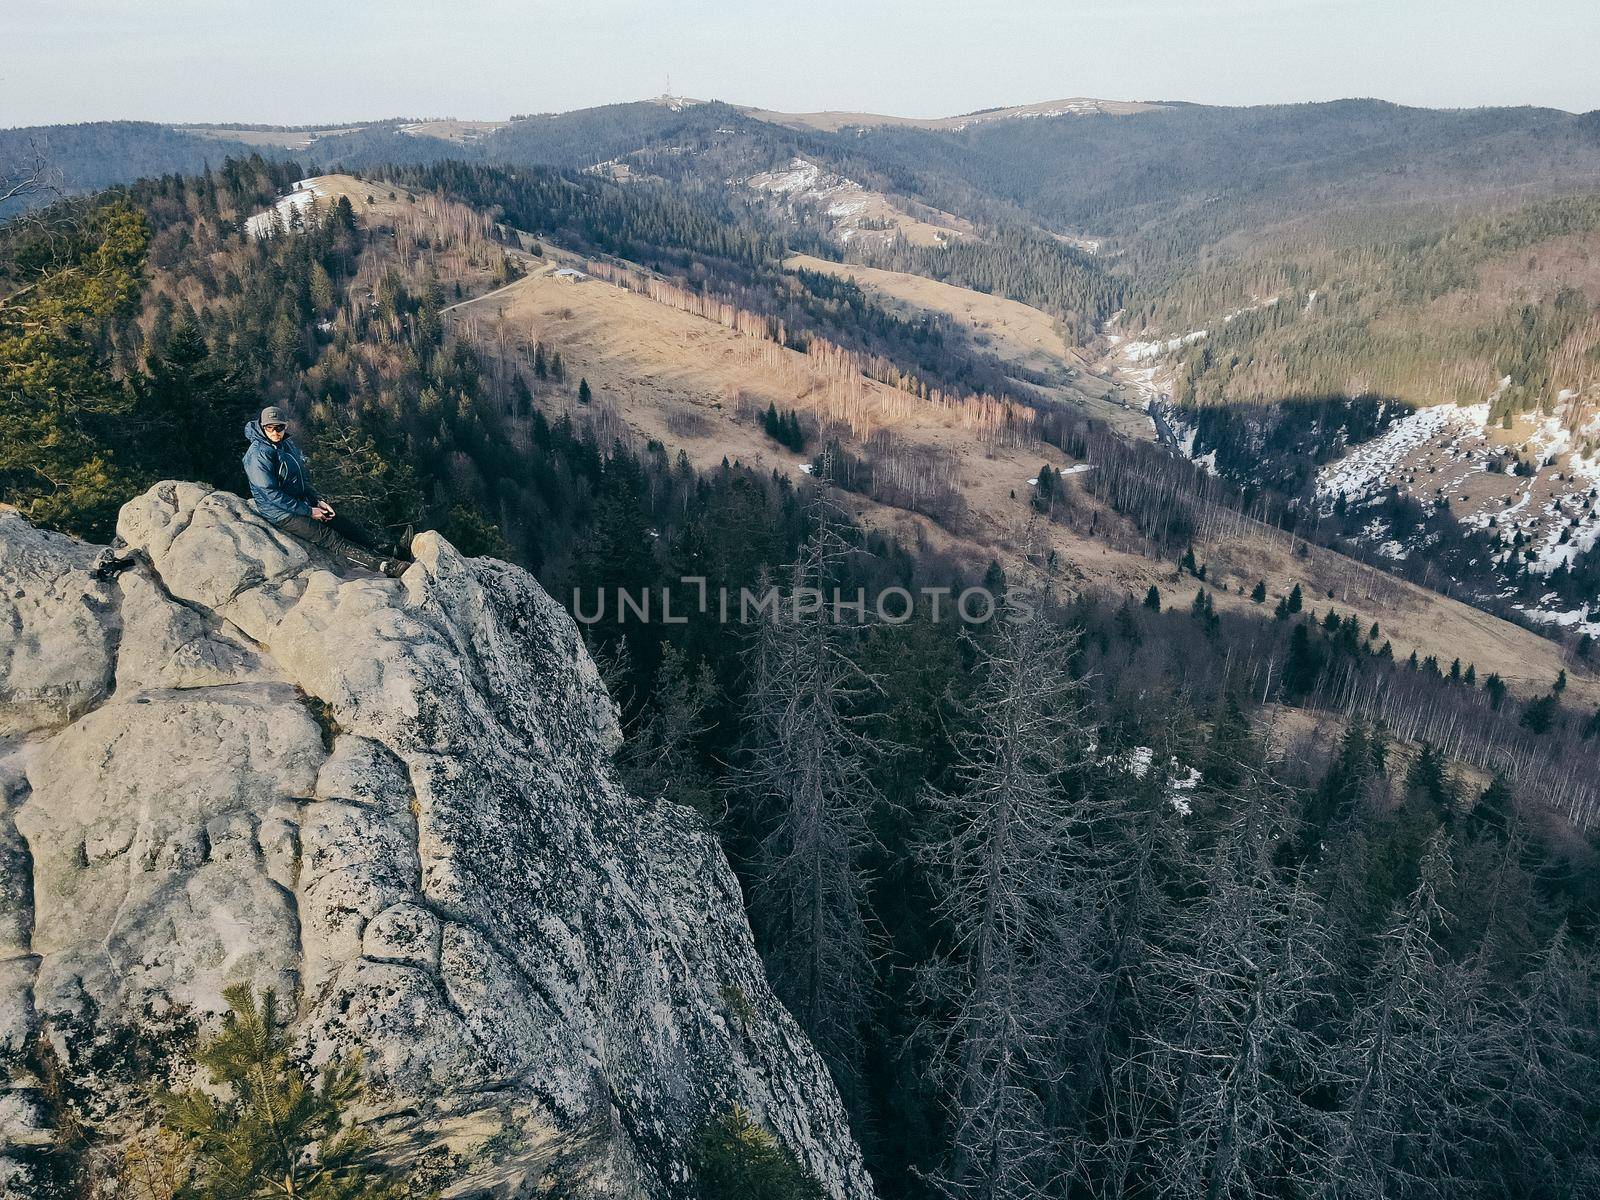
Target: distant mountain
(832, 121)
(1169, 181)
(101, 154)
(1160, 180)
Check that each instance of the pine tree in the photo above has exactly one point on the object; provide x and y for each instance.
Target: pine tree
(1539, 715)
(521, 396)
(344, 215)
(1495, 688)
(1152, 599)
(1360, 763)
(60, 411)
(658, 758)
(1303, 665)
(1044, 491)
(187, 411)
(736, 1159)
(1258, 594)
(1429, 777)
(1494, 813)
(253, 1133)
(1543, 1110)
(584, 394)
(321, 289)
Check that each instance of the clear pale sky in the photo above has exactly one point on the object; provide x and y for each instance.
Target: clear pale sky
(300, 61)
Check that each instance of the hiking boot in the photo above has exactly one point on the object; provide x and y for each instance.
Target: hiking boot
(393, 567)
(109, 564)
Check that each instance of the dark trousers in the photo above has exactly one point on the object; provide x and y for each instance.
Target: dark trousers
(340, 537)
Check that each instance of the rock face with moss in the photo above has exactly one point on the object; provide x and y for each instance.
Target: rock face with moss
(392, 802)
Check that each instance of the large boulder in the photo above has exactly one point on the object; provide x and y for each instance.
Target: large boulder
(392, 802)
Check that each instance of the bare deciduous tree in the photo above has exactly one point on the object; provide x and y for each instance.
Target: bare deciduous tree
(25, 182)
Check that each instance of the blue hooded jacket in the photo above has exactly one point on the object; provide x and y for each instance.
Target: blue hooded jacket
(280, 484)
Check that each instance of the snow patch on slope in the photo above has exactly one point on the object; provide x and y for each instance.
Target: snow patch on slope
(305, 191)
(852, 210)
(1370, 467)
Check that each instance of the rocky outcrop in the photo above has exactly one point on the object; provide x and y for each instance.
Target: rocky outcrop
(392, 802)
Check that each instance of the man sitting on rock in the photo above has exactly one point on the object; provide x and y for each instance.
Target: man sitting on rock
(280, 487)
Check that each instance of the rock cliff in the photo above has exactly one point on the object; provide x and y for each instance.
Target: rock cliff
(391, 801)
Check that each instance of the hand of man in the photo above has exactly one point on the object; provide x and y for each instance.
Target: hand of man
(322, 510)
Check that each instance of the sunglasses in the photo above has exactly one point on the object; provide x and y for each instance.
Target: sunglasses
(275, 428)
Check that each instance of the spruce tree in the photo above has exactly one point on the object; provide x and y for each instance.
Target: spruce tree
(1414, 1059)
(736, 1159)
(1302, 666)
(187, 411)
(805, 769)
(1234, 998)
(1495, 688)
(1540, 715)
(1015, 961)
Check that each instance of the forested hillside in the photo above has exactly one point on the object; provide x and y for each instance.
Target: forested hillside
(1167, 183)
(102, 154)
(1423, 309)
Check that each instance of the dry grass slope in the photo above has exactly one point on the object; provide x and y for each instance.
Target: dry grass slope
(691, 383)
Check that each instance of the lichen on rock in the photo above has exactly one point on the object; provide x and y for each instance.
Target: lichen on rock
(392, 801)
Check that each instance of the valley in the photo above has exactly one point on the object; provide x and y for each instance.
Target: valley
(659, 374)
